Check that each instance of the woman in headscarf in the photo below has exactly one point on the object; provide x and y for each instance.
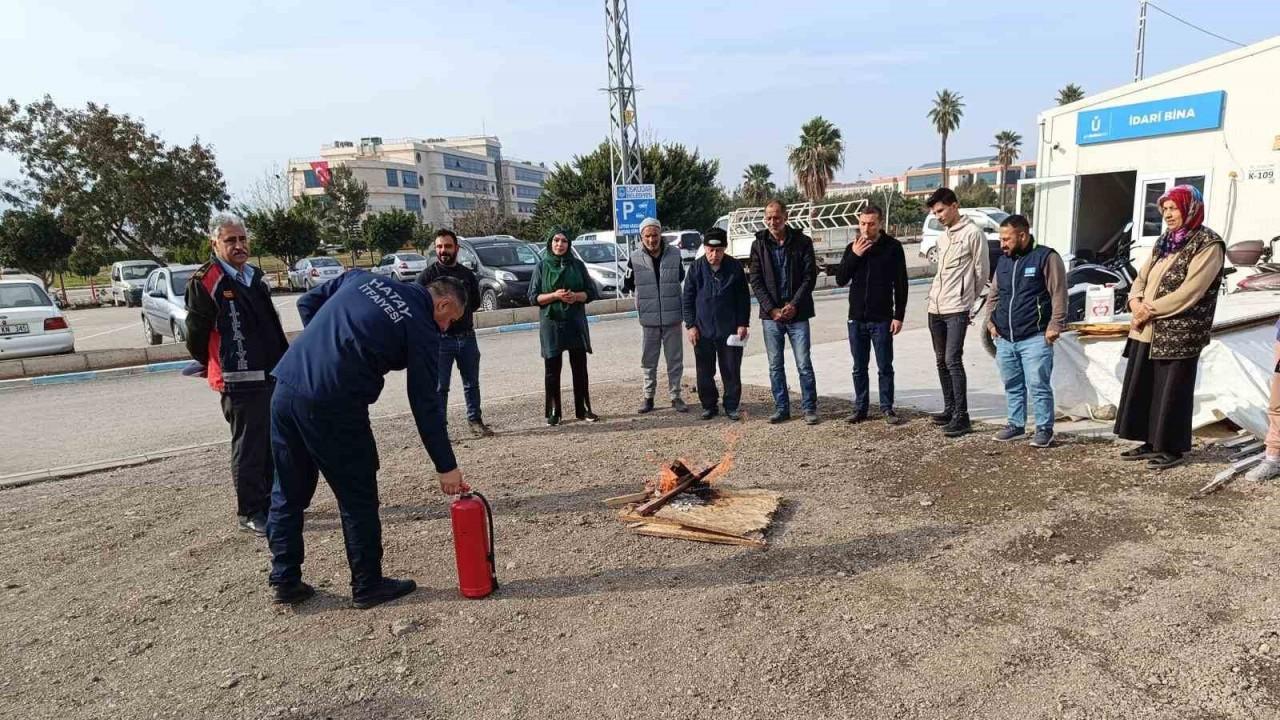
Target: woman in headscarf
(562, 288)
(1172, 300)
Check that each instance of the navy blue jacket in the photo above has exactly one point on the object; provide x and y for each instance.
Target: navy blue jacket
(717, 303)
(1028, 287)
(359, 327)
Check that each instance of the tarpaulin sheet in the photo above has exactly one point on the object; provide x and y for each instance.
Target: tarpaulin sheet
(1233, 380)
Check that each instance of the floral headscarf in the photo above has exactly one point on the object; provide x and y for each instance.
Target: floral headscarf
(1191, 205)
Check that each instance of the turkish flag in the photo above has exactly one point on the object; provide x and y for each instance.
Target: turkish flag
(322, 172)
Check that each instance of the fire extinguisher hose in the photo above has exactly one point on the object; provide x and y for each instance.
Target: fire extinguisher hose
(493, 565)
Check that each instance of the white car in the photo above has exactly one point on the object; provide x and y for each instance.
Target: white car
(30, 323)
(606, 263)
(401, 266)
(987, 218)
(688, 242)
(310, 272)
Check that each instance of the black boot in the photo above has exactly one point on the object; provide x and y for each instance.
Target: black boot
(384, 590)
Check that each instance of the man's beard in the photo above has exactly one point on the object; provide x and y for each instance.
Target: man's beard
(445, 258)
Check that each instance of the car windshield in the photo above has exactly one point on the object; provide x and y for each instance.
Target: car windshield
(136, 272)
(690, 240)
(178, 281)
(411, 257)
(598, 252)
(19, 295)
(506, 255)
(325, 262)
(997, 216)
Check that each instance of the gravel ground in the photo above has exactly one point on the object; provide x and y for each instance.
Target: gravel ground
(907, 577)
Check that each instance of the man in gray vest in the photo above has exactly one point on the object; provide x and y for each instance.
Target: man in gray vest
(655, 276)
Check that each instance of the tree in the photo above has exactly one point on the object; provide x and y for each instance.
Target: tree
(815, 160)
(1007, 147)
(347, 200)
(977, 194)
(35, 242)
(389, 231)
(424, 238)
(945, 116)
(1069, 94)
(900, 211)
(756, 187)
(578, 196)
(270, 191)
(289, 234)
(107, 178)
(85, 261)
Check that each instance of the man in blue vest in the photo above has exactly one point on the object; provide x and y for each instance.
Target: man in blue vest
(717, 311)
(1028, 298)
(655, 275)
(358, 327)
(233, 330)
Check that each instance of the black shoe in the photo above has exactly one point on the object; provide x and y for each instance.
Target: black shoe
(589, 416)
(855, 418)
(255, 523)
(941, 418)
(811, 418)
(733, 415)
(780, 416)
(679, 405)
(553, 419)
(1142, 452)
(959, 426)
(708, 413)
(892, 418)
(386, 590)
(1164, 461)
(645, 407)
(292, 593)
(479, 429)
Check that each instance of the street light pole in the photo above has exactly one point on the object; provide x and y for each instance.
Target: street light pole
(1138, 69)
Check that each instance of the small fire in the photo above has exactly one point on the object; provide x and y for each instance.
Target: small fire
(731, 438)
(667, 480)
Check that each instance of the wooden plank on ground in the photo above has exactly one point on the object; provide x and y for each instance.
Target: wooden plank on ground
(683, 533)
(744, 513)
(620, 500)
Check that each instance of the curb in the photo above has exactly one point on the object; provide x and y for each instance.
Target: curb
(34, 477)
(90, 375)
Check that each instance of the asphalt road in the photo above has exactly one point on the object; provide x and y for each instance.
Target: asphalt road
(94, 421)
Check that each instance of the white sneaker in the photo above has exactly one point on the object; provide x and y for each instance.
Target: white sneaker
(1268, 469)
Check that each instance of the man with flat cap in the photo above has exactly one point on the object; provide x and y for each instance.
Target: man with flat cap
(717, 311)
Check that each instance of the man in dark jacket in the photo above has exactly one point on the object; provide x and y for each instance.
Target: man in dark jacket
(656, 273)
(1028, 298)
(875, 269)
(358, 327)
(783, 274)
(459, 341)
(234, 331)
(717, 311)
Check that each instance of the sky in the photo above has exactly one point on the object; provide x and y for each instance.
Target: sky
(268, 80)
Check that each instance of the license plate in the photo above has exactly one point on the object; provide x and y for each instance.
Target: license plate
(14, 329)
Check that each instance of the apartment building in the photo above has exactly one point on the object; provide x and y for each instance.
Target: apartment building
(436, 178)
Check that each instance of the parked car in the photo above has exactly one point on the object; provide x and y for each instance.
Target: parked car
(598, 236)
(688, 242)
(503, 264)
(987, 218)
(127, 279)
(310, 272)
(30, 323)
(606, 264)
(164, 303)
(401, 266)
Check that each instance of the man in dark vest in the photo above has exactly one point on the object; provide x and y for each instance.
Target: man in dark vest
(655, 276)
(717, 312)
(234, 331)
(1028, 298)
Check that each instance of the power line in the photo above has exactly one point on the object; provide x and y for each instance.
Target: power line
(1194, 26)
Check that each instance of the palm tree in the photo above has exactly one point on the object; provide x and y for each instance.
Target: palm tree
(1007, 147)
(945, 116)
(756, 185)
(816, 159)
(1069, 94)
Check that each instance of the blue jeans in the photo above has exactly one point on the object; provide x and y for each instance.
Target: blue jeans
(1027, 364)
(863, 336)
(775, 335)
(466, 351)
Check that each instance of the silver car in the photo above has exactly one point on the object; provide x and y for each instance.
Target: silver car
(310, 272)
(164, 303)
(401, 266)
(127, 278)
(30, 323)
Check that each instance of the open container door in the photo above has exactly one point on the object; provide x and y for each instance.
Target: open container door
(1053, 210)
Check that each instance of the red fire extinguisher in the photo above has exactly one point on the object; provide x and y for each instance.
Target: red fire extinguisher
(473, 544)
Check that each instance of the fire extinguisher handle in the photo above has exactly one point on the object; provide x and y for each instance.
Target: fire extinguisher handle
(493, 564)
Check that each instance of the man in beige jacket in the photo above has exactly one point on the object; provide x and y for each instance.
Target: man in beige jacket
(964, 268)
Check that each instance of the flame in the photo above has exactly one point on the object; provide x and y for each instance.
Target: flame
(731, 438)
(667, 478)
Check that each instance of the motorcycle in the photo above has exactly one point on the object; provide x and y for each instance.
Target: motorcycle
(1253, 258)
(1115, 270)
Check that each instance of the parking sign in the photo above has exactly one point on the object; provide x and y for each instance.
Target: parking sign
(631, 205)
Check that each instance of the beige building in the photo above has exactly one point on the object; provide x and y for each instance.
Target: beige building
(437, 178)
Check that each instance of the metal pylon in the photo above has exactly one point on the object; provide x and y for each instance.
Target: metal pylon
(624, 133)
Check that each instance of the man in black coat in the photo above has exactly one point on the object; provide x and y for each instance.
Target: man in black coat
(875, 269)
(717, 311)
(783, 274)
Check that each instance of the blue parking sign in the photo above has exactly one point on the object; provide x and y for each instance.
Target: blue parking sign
(631, 205)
